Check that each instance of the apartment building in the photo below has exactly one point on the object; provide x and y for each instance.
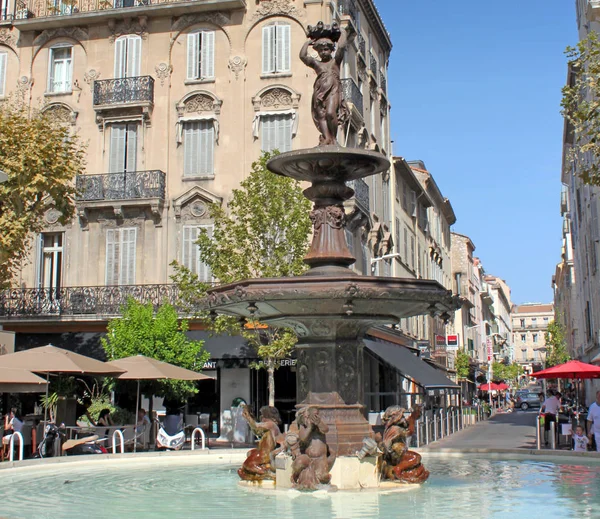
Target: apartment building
(502, 334)
(175, 99)
(530, 323)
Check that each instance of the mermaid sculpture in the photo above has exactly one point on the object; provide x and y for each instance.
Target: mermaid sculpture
(306, 442)
(398, 463)
(259, 464)
(329, 109)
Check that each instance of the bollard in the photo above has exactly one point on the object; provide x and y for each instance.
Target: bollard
(538, 433)
(553, 435)
(435, 431)
(441, 424)
(426, 430)
(418, 429)
(448, 431)
(15, 435)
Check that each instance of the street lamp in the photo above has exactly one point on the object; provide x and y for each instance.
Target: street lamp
(374, 261)
(543, 350)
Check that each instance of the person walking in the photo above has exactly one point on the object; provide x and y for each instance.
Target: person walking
(593, 421)
(550, 409)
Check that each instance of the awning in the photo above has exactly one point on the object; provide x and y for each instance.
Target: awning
(410, 365)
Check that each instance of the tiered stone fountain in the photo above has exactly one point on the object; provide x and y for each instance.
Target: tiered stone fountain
(331, 308)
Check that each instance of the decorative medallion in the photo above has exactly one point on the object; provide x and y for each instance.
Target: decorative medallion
(199, 103)
(90, 76)
(198, 208)
(237, 64)
(8, 38)
(276, 98)
(163, 70)
(52, 215)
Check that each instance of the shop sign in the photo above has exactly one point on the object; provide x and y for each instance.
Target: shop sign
(452, 342)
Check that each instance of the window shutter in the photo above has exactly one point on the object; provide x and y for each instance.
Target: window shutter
(190, 150)
(118, 134)
(3, 62)
(208, 54)
(192, 55)
(190, 249)
(120, 57)
(203, 271)
(268, 49)
(595, 232)
(127, 266)
(286, 133)
(283, 48)
(134, 51)
(51, 70)
(267, 124)
(206, 146)
(111, 256)
(131, 147)
(68, 69)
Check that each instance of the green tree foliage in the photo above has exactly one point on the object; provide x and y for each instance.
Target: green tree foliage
(581, 107)
(40, 158)
(462, 365)
(263, 232)
(508, 373)
(161, 336)
(556, 345)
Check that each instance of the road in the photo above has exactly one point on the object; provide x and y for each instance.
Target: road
(514, 430)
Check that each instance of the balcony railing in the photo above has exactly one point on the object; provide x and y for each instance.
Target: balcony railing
(127, 90)
(353, 94)
(383, 83)
(348, 7)
(73, 301)
(361, 193)
(135, 185)
(373, 65)
(362, 44)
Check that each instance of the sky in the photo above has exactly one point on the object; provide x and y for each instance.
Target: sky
(475, 91)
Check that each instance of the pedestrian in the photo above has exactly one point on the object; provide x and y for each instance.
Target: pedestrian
(593, 421)
(580, 440)
(550, 409)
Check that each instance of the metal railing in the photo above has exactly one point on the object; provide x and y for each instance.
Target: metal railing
(362, 44)
(202, 437)
(134, 185)
(124, 90)
(353, 94)
(435, 425)
(348, 7)
(361, 193)
(373, 65)
(383, 83)
(81, 301)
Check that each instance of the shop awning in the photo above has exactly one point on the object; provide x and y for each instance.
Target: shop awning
(410, 365)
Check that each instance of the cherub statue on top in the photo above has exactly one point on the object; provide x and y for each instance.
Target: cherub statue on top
(329, 109)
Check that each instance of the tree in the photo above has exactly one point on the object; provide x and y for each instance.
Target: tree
(161, 336)
(462, 365)
(40, 158)
(263, 232)
(581, 107)
(556, 345)
(507, 372)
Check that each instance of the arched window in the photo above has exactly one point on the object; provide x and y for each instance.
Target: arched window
(60, 68)
(276, 118)
(128, 54)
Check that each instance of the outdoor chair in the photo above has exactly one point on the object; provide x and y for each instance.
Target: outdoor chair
(138, 436)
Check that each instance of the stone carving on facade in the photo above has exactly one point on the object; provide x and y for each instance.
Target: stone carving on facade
(137, 26)
(268, 8)
(23, 85)
(237, 64)
(183, 22)
(8, 38)
(61, 113)
(198, 103)
(90, 76)
(78, 34)
(163, 71)
(275, 98)
(193, 205)
(118, 216)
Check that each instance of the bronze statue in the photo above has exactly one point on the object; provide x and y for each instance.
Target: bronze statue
(311, 455)
(399, 463)
(329, 109)
(260, 464)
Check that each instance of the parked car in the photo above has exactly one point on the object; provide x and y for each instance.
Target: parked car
(527, 400)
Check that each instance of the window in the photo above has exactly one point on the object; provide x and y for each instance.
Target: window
(535, 337)
(61, 69)
(412, 252)
(201, 55)
(534, 320)
(276, 132)
(522, 323)
(276, 49)
(123, 147)
(128, 53)
(50, 267)
(198, 148)
(120, 256)
(191, 253)
(386, 201)
(545, 319)
(406, 246)
(523, 337)
(350, 241)
(372, 109)
(383, 121)
(397, 234)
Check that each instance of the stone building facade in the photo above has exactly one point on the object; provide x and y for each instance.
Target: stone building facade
(502, 328)
(530, 323)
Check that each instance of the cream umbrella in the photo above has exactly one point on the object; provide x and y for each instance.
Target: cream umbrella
(16, 380)
(140, 367)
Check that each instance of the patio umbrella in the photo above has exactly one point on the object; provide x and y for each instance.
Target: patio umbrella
(489, 387)
(502, 386)
(50, 359)
(140, 367)
(15, 380)
(570, 369)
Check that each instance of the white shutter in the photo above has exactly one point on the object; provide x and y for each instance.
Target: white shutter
(203, 271)
(191, 149)
(131, 147)
(68, 70)
(595, 231)
(112, 236)
(51, 71)
(3, 62)
(190, 249)
(283, 48)
(134, 54)
(206, 147)
(118, 134)
(127, 260)
(267, 124)
(208, 54)
(192, 55)
(268, 49)
(120, 58)
(285, 133)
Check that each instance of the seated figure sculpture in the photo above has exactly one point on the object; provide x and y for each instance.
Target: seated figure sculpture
(399, 463)
(260, 464)
(311, 455)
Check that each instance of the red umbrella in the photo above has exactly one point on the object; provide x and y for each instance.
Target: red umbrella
(571, 369)
(489, 387)
(502, 386)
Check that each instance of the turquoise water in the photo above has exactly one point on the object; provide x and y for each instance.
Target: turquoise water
(469, 487)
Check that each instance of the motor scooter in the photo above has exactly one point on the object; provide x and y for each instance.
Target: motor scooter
(171, 435)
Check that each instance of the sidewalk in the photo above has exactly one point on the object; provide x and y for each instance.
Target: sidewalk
(514, 430)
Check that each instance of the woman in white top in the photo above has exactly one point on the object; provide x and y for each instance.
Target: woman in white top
(14, 424)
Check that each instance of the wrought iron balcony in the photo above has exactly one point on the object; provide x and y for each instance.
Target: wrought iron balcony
(361, 194)
(362, 44)
(353, 94)
(348, 7)
(383, 83)
(135, 185)
(373, 65)
(107, 301)
(129, 90)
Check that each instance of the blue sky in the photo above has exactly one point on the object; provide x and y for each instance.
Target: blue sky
(475, 94)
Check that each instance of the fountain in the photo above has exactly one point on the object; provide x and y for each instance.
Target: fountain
(330, 307)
